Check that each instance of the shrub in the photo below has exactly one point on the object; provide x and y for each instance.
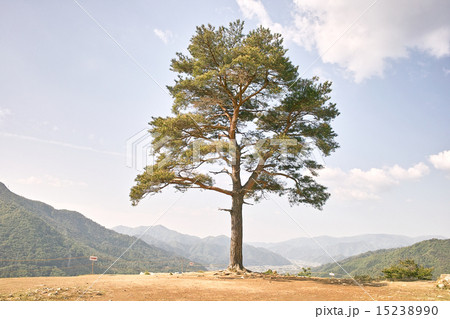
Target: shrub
(306, 272)
(407, 269)
(270, 272)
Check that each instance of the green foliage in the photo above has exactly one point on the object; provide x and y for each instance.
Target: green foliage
(433, 253)
(270, 272)
(235, 95)
(306, 272)
(407, 269)
(38, 240)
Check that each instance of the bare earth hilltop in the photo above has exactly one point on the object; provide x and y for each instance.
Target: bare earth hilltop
(212, 286)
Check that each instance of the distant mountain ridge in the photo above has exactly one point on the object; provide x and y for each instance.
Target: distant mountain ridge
(32, 230)
(39, 240)
(309, 250)
(299, 251)
(211, 251)
(429, 253)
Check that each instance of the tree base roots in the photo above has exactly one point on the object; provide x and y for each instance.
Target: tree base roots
(237, 269)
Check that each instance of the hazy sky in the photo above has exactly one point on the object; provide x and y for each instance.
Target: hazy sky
(74, 88)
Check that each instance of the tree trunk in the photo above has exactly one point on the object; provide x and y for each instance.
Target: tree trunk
(236, 262)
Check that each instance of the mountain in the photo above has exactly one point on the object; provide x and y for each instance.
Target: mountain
(38, 240)
(210, 251)
(429, 253)
(309, 252)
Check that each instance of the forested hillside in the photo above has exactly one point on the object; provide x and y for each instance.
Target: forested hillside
(38, 240)
(429, 253)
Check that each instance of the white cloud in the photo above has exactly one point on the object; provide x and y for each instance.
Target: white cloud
(357, 184)
(32, 180)
(50, 181)
(446, 71)
(4, 113)
(254, 9)
(388, 30)
(441, 161)
(416, 171)
(164, 36)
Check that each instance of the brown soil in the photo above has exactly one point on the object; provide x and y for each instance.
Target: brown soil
(211, 286)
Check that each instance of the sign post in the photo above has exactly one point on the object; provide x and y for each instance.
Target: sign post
(93, 259)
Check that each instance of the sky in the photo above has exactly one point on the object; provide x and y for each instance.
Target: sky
(80, 80)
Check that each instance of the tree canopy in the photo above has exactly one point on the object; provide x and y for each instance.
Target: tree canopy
(238, 102)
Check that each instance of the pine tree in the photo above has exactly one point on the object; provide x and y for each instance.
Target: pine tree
(240, 109)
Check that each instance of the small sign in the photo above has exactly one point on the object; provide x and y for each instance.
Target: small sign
(93, 258)
(191, 264)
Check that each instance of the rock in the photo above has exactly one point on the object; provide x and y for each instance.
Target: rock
(444, 281)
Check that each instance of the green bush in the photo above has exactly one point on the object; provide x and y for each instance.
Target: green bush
(306, 272)
(270, 272)
(407, 269)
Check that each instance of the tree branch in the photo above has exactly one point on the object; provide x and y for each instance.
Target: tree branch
(199, 184)
(266, 82)
(255, 174)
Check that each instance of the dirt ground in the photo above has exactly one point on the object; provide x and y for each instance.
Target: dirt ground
(211, 286)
